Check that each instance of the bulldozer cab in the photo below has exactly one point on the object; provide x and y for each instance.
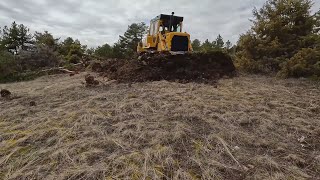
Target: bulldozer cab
(165, 24)
(165, 35)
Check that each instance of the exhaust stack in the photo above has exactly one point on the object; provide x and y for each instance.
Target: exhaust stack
(171, 21)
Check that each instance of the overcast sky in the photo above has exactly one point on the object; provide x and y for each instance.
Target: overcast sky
(95, 22)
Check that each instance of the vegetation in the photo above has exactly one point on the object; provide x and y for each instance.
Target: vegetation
(16, 37)
(22, 54)
(284, 39)
(104, 51)
(180, 117)
(248, 128)
(208, 46)
(126, 45)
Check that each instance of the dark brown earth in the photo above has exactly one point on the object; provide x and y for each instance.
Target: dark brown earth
(198, 67)
(90, 81)
(5, 93)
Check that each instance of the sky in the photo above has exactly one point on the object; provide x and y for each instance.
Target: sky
(96, 22)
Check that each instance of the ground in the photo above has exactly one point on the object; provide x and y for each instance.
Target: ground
(247, 127)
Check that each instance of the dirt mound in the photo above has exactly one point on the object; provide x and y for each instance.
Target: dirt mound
(90, 81)
(197, 67)
(5, 93)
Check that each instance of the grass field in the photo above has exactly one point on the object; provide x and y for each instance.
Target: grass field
(248, 127)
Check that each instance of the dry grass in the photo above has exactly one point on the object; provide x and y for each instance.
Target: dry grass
(246, 128)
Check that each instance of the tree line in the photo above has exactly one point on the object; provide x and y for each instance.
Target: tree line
(22, 52)
(284, 39)
(215, 45)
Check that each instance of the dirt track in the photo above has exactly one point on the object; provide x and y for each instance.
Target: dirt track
(246, 128)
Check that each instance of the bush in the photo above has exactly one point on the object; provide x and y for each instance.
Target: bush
(305, 63)
(26, 65)
(42, 57)
(282, 40)
(8, 66)
(74, 58)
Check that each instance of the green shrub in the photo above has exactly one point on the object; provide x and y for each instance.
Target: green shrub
(305, 63)
(74, 58)
(8, 66)
(41, 57)
(282, 40)
(27, 64)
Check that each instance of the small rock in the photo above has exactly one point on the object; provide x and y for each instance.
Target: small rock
(5, 93)
(245, 122)
(302, 139)
(236, 148)
(32, 103)
(280, 150)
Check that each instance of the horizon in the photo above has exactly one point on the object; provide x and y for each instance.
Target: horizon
(96, 23)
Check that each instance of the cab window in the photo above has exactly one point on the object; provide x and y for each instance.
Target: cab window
(178, 29)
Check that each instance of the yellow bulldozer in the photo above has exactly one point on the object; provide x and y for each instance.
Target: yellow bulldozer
(165, 35)
(166, 54)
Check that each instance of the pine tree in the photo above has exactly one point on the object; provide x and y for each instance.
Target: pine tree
(46, 39)
(129, 41)
(196, 45)
(228, 45)
(206, 46)
(104, 51)
(219, 43)
(280, 30)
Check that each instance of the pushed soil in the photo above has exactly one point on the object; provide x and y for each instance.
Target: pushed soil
(197, 67)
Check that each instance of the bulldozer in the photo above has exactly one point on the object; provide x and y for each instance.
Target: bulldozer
(165, 34)
(166, 54)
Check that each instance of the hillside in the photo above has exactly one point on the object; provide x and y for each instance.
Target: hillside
(248, 127)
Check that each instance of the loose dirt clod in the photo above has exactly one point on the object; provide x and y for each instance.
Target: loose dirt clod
(198, 67)
(32, 103)
(5, 93)
(96, 66)
(90, 81)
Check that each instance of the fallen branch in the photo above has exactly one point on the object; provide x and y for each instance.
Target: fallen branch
(58, 69)
(224, 144)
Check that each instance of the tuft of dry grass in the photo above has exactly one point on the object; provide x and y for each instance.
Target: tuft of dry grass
(249, 127)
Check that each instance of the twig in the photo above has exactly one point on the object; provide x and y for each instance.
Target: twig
(224, 144)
